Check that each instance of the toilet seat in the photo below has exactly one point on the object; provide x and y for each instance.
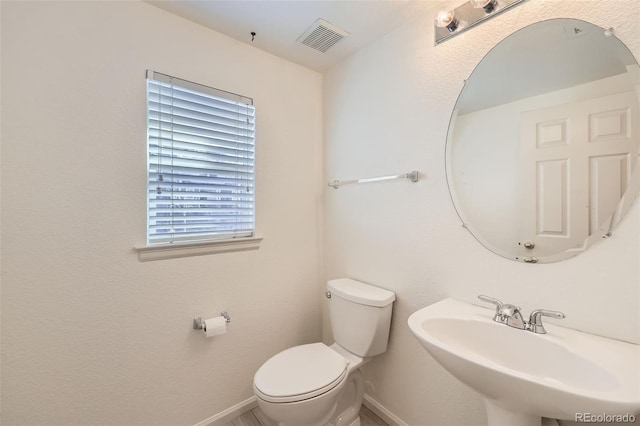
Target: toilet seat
(300, 373)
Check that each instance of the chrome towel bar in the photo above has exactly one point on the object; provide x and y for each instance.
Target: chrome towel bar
(412, 176)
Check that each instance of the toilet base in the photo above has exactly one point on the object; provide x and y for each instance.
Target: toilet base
(347, 410)
(350, 401)
(356, 422)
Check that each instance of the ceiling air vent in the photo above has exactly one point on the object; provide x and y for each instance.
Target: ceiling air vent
(322, 35)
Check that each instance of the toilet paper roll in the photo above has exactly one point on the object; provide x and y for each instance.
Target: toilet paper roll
(215, 326)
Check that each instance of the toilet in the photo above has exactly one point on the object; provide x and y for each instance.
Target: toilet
(320, 385)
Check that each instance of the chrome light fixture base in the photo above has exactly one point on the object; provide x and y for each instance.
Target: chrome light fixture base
(467, 16)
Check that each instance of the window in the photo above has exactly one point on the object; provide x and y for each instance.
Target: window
(201, 162)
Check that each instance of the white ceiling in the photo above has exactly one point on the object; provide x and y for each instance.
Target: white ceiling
(278, 24)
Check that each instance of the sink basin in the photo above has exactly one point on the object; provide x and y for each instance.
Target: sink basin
(524, 376)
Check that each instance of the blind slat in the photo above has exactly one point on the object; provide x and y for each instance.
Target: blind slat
(166, 105)
(180, 115)
(170, 156)
(161, 138)
(186, 172)
(201, 149)
(181, 92)
(206, 133)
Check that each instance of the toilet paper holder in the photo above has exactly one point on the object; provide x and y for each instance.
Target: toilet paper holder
(198, 324)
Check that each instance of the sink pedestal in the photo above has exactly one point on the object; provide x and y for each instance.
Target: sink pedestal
(498, 416)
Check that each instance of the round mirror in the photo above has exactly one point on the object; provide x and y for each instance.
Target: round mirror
(543, 141)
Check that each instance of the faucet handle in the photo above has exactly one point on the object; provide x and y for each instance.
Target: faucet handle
(493, 300)
(535, 319)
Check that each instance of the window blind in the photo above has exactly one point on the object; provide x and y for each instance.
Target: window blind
(201, 162)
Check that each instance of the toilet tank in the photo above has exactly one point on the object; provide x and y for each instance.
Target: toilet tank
(360, 316)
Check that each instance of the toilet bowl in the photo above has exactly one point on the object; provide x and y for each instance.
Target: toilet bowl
(320, 385)
(304, 385)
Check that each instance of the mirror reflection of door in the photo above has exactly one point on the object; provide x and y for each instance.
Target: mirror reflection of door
(576, 162)
(543, 140)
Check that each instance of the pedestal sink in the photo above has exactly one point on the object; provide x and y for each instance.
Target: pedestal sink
(523, 376)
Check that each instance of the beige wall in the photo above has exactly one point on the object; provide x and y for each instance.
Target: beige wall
(386, 111)
(90, 335)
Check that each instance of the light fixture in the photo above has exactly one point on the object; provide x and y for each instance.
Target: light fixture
(449, 23)
(487, 5)
(447, 19)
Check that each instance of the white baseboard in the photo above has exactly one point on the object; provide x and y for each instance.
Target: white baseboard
(230, 413)
(380, 411)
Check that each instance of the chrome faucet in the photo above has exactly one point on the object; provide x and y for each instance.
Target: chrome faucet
(511, 315)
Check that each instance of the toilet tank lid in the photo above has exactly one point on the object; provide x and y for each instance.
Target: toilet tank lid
(360, 292)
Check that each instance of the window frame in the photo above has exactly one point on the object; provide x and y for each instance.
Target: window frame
(225, 235)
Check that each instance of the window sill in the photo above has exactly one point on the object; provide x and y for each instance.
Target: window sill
(171, 251)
